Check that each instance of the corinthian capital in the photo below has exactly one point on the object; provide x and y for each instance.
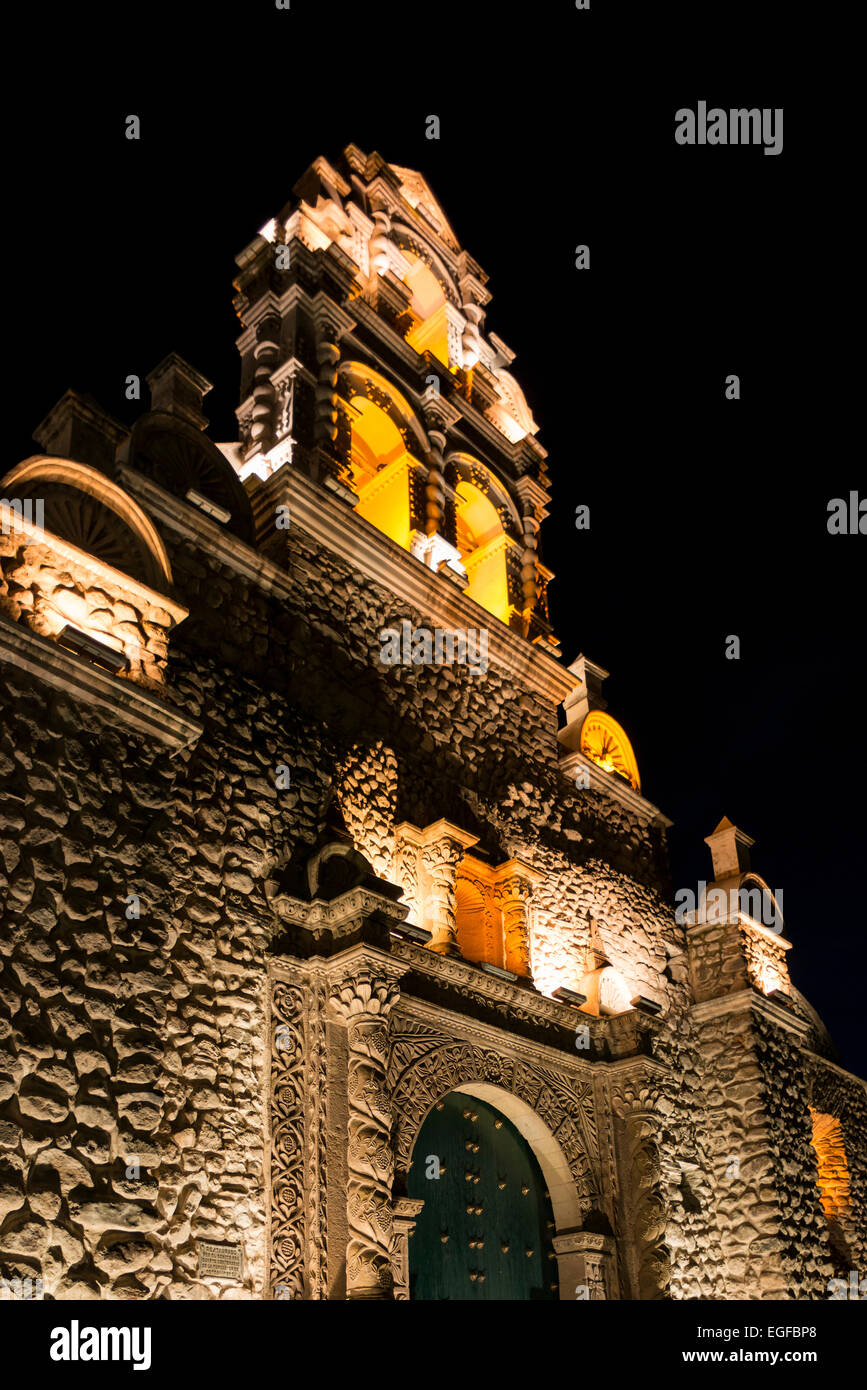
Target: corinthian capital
(371, 991)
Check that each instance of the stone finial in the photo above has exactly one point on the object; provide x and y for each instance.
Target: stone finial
(177, 387)
(585, 696)
(78, 428)
(730, 850)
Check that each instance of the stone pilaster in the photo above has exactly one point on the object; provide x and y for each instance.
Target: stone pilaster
(638, 1107)
(406, 1212)
(444, 848)
(363, 999)
(512, 894)
(586, 1262)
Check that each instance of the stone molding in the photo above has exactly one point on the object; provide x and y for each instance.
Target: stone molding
(122, 701)
(752, 999)
(187, 521)
(614, 786)
(315, 510)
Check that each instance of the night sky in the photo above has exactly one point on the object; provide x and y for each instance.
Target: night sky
(708, 516)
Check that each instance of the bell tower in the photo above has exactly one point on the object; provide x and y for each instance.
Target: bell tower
(366, 368)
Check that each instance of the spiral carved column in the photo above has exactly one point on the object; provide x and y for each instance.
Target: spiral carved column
(328, 355)
(435, 487)
(364, 1002)
(266, 353)
(529, 581)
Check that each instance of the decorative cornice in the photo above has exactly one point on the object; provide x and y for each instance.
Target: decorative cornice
(453, 972)
(317, 512)
(122, 700)
(613, 786)
(319, 917)
(462, 1028)
(752, 1000)
(187, 521)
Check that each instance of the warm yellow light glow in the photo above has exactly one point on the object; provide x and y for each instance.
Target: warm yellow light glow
(603, 740)
(380, 471)
(834, 1185)
(482, 544)
(479, 921)
(428, 305)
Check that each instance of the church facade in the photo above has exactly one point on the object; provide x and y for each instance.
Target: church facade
(339, 955)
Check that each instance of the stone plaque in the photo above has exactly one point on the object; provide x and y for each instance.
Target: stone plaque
(219, 1261)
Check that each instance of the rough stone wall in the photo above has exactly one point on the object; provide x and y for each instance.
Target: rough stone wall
(845, 1099)
(133, 1078)
(744, 1205)
(45, 590)
(806, 1246)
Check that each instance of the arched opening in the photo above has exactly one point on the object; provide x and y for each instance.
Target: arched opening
(380, 470)
(429, 331)
(482, 543)
(756, 900)
(834, 1189)
(186, 463)
(486, 1229)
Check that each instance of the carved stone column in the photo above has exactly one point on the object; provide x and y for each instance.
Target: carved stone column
(434, 488)
(636, 1103)
(407, 853)
(586, 1263)
(529, 578)
(363, 999)
(444, 849)
(328, 356)
(266, 353)
(515, 885)
(406, 1212)
(378, 246)
(533, 512)
(427, 865)
(441, 861)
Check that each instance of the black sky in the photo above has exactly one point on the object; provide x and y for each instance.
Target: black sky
(708, 517)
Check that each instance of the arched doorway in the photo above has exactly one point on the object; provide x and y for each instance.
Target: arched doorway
(486, 1229)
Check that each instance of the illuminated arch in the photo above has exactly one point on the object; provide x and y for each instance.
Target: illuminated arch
(82, 506)
(430, 329)
(486, 526)
(358, 379)
(604, 741)
(382, 430)
(411, 243)
(750, 883)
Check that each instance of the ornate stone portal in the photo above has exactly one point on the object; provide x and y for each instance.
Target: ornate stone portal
(269, 895)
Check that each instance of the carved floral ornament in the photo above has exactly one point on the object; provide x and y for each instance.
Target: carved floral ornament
(368, 994)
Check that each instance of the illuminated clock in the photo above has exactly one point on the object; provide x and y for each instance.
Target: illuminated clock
(606, 744)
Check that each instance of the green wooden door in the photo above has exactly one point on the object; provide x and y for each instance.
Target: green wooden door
(486, 1228)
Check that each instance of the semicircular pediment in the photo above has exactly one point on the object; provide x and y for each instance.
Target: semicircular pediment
(181, 459)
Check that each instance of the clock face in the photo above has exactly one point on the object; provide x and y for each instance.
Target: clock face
(604, 741)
